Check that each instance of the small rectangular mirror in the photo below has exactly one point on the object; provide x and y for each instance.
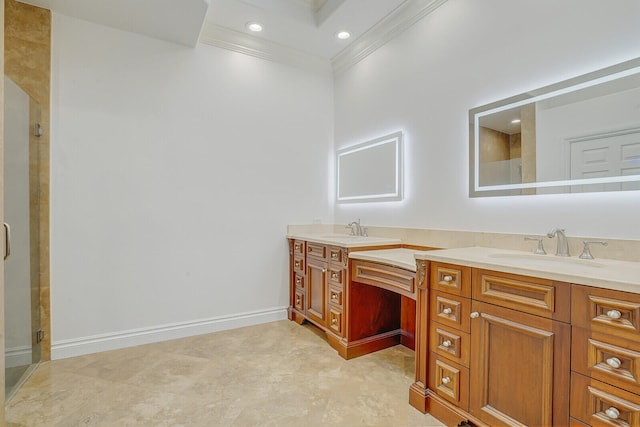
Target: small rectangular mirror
(579, 135)
(371, 171)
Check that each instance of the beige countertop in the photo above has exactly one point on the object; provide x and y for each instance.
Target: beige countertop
(601, 273)
(345, 240)
(403, 258)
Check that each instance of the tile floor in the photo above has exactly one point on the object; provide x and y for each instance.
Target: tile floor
(275, 374)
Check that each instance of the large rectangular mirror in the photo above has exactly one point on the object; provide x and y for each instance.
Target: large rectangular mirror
(371, 171)
(579, 135)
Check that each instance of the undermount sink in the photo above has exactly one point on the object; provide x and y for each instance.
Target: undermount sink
(546, 260)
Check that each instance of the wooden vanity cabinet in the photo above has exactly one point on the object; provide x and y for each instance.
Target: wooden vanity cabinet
(605, 357)
(498, 348)
(357, 317)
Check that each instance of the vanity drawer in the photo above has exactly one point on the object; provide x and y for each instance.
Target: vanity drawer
(450, 343)
(607, 311)
(450, 278)
(336, 275)
(600, 404)
(335, 254)
(335, 320)
(298, 280)
(298, 247)
(533, 295)
(299, 300)
(298, 265)
(335, 296)
(451, 310)
(613, 360)
(450, 381)
(384, 276)
(316, 250)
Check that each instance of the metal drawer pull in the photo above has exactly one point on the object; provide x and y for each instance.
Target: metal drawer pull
(297, 247)
(446, 380)
(297, 264)
(447, 311)
(297, 300)
(447, 278)
(324, 270)
(475, 315)
(614, 362)
(446, 343)
(334, 295)
(334, 255)
(298, 281)
(334, 275)
(614, 314)
(612, 413)
(7, 240)
(334, 321)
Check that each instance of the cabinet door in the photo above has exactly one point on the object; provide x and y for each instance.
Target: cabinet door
(316, 291)
(519, 369)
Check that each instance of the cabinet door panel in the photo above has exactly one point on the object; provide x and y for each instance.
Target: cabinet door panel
(316, 291)
(519, 368)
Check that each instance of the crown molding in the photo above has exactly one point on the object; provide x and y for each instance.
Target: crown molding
(392, 25)
(225, 38)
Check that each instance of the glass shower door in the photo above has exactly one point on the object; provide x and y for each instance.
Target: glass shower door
(21, 268)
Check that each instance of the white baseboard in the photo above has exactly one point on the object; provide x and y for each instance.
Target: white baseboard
(93, 344)
(18, 356)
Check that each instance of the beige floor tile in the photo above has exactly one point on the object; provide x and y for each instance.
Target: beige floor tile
(276, 374)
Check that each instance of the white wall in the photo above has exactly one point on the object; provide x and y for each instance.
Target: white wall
(466, 54)
(174, 174)
(17, 271)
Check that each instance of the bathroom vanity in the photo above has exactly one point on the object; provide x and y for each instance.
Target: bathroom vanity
(359, 290)
(509, 339)
(501, 338)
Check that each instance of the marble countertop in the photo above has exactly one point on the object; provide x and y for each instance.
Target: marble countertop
(601, 273)
(403, 258)
(345, 240)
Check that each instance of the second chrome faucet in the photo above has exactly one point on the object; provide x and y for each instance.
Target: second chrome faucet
(563, 245)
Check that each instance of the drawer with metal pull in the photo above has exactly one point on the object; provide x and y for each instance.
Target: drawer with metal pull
(607, 311)
(600, 404)
(450, 343)
(451, 278)
(450, 310)
(298, 247)
(335, 296)
(335, 320)
(299, 266)
(450, 381)
(613, 360)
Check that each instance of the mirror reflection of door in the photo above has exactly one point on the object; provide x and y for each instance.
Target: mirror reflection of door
(21, 269)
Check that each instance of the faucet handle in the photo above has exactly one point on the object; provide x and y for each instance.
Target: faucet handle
(586, 252)
(365, 232)
(540, 249)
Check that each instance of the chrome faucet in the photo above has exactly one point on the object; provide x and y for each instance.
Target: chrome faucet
(358, 229)
(563, 245)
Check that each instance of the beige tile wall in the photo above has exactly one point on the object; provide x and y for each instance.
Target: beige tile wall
(627, 250)
(27, 57)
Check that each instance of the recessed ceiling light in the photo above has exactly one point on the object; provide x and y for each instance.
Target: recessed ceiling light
(514, 121)
(256, 27)
(343, 35)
